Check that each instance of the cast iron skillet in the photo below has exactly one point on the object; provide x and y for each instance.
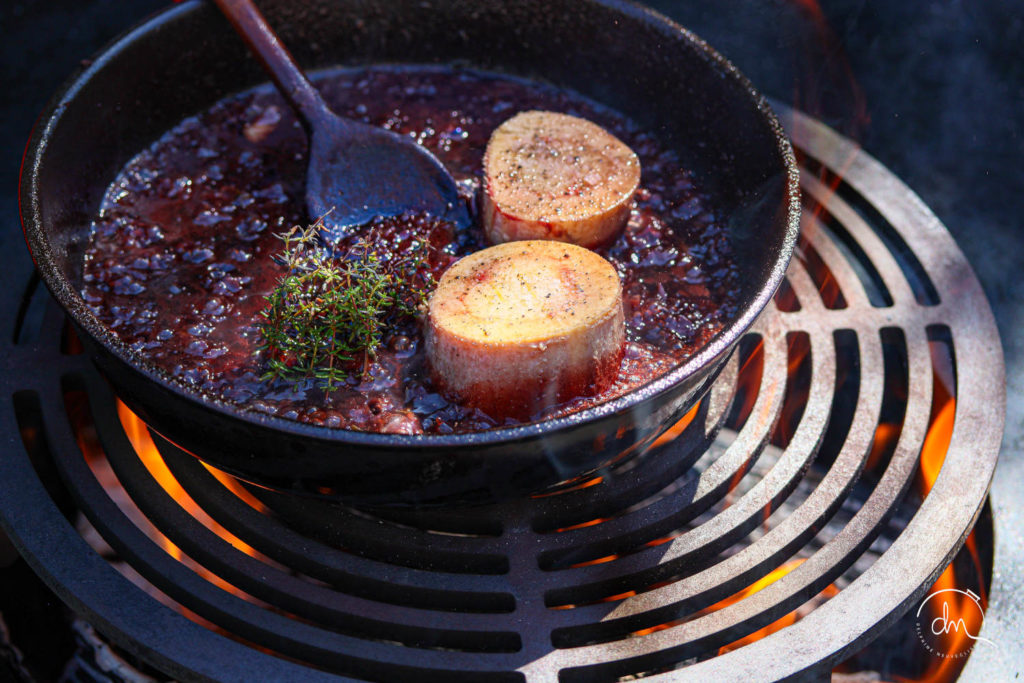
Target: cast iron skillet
(186, 58)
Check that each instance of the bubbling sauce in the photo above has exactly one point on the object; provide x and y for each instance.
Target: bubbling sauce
(180, 257)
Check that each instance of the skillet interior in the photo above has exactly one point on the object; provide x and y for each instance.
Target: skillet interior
(187, 58)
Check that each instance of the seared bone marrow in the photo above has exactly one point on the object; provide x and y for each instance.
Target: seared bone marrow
(557, 177)
(519, 327)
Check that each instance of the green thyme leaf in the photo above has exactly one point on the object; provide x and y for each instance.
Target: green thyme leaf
(329, 312)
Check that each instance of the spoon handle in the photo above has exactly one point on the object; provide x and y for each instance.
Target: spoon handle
(276, 59)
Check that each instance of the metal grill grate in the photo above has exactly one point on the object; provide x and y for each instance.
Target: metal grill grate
(786, 489)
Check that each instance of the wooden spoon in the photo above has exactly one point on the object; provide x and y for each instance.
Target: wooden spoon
(357, 172)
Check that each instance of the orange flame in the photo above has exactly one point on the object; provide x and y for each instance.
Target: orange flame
(582, 525)
(588, 480)
(936, 443)
(943, 669)
(822, 276)
(776, 625)
(678, 428)
(758, 585)
(959, 606)
(233, 485)
(148, 453)
(77, 406)
(885, 438)
(828, 79)
(748, 385)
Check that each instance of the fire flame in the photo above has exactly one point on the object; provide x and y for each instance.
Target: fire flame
(748, 385)
(885, 438)
(827, 67)
(959, 606)
(749, 382)
(776, 625)
(148, 453)
(141, 440)
(77, 406)
(758, 585)
(798, 349)
(678, 428)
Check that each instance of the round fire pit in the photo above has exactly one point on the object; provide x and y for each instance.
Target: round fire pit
(778, 530)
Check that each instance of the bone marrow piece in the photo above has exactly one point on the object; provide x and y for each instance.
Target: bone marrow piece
(557, 177)
(522, 326)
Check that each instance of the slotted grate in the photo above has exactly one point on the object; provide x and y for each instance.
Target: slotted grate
(786, 488)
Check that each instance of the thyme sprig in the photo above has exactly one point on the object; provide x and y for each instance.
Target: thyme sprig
(329, 312)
